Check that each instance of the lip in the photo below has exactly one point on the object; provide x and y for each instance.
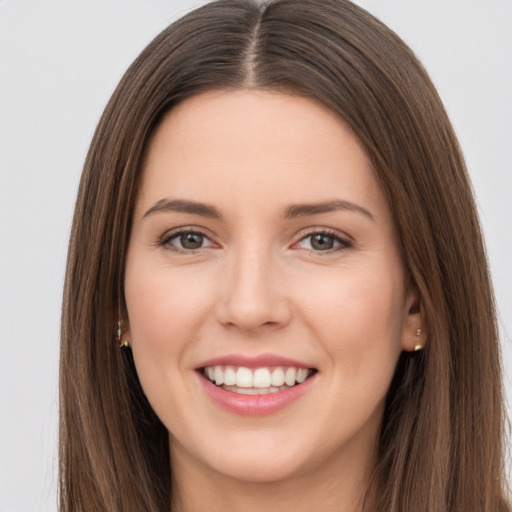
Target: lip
(259, 361)
(254, 405)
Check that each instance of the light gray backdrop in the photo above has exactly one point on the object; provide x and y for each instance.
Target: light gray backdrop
(59, 63)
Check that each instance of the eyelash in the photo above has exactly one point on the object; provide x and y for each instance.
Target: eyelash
(344, 243)
(165, 241)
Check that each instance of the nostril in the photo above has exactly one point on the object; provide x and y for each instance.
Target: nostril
(254, 316)
(252, 297)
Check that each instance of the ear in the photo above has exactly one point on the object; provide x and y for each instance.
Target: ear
(415, 329)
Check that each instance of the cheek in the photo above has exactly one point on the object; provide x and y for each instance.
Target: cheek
(166, 311)
(358, 322)
(357, 315)
(163, 305)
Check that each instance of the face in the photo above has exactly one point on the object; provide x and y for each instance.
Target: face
(266, 297)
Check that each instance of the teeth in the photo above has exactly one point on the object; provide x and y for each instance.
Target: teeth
(219, 376)
(289, 377)
(255, 381)
(243, 377)
(254, 391)
(302, 375)
(277, 377)
(229, 376)
(247, 391)
(262, 378)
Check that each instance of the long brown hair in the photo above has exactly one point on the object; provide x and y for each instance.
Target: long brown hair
(441, 444)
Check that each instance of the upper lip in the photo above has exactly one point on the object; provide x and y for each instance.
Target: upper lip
(260, 361)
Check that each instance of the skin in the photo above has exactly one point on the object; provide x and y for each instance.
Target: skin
(257, 285)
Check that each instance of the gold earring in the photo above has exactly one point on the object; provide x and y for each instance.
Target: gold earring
(123, 343)
(418, 346)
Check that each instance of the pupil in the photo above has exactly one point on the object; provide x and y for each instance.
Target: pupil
(191, 240)
(322, 242)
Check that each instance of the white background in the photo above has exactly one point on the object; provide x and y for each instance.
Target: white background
(59, 63)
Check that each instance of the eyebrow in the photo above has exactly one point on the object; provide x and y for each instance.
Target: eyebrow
(291, 212)
(303, 210)
(183, 206)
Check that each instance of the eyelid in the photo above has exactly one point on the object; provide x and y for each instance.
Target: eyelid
(164, 240)
(343, 239)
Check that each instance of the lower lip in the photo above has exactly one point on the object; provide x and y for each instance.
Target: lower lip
(255, 405)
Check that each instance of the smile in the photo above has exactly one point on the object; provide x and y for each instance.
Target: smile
(256, 381)
(255, 386)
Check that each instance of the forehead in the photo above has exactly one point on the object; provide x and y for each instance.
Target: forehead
(248, 144)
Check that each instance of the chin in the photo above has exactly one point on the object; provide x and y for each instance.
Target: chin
(251, 457)
(261, 469)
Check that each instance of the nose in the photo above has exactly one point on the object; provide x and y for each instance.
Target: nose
(253, 293)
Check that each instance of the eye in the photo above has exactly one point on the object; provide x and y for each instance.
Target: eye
(323, 241)
(188, 240)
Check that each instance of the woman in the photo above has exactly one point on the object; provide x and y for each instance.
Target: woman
(270, 291)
